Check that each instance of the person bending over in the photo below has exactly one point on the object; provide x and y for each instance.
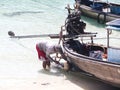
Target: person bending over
(44, 49)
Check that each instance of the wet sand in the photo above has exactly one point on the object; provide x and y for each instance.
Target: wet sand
(32, 77)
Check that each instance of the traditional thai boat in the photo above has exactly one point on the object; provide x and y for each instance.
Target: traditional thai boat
(100, 61)
(102, 11)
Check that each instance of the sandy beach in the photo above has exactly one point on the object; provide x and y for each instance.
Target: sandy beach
(33, 77)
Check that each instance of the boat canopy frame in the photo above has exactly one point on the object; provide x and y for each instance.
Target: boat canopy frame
(112, 25)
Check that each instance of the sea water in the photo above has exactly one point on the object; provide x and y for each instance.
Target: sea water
(18, 57)
(25, 17)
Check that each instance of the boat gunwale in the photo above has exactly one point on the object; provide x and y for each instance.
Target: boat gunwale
(88, 8)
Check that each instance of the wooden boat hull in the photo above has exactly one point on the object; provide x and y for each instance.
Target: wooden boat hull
(88, 11)
(105, 71)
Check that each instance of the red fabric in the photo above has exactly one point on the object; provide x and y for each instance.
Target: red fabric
(40, 52)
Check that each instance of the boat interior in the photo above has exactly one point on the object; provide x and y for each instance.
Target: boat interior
(90, 50)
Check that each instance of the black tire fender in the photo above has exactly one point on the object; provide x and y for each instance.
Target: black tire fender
(104, 17)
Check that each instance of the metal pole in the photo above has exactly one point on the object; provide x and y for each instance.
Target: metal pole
(107, 38)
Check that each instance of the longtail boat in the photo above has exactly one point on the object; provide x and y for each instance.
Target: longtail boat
(100, 61)
(101, 11)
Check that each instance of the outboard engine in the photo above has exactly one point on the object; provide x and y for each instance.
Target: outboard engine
(74, 25)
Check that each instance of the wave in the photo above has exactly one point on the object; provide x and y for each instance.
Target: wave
(21, 12)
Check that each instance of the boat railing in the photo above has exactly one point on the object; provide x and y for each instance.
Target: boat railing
(80, 35)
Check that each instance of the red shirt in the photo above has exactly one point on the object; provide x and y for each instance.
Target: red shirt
(40, 53)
